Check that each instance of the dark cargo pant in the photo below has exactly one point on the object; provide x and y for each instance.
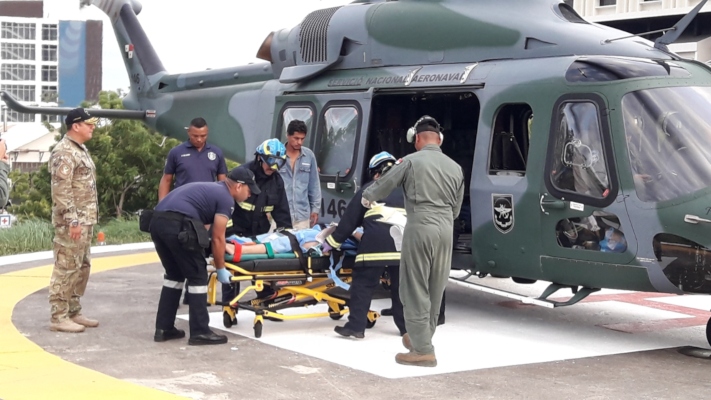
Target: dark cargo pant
(179, 264)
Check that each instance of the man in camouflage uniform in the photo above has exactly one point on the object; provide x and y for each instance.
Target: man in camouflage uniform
(74, 213)
(434, 189)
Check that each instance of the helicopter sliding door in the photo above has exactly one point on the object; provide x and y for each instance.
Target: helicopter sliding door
(335, 121)
(393, 113)
(582, 209)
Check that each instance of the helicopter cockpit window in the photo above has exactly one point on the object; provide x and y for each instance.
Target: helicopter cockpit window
(605, 69)
(305, 114)
(668, 131)
(337, 141)
(509, 145)
(579, 165)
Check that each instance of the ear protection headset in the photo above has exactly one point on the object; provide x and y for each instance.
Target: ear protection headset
(424, 124)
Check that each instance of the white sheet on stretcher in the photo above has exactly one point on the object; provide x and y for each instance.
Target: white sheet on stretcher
(394, 217)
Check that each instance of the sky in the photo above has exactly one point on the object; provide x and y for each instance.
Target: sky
(194, 35)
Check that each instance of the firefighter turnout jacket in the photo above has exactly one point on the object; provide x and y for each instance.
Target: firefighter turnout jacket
(250, 216)
(376, 247)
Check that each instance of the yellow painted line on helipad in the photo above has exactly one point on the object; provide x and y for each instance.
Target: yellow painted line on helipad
(29, 372)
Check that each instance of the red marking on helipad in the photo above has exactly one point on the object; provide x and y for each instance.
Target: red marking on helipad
(694, 317)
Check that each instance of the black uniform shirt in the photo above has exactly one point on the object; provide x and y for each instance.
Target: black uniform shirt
(199, 200)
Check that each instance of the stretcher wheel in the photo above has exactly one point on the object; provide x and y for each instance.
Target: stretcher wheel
(258, 329)
(335, 316)
(227, 320)
(370, 323)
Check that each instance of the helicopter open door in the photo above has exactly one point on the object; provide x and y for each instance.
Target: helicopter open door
(335, 122)
(582, 208)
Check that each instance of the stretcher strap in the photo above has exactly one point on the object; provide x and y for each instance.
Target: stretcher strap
(336, 264)
(270, 251)
(297, 249)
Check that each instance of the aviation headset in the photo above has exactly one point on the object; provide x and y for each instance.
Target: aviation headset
(424, 124)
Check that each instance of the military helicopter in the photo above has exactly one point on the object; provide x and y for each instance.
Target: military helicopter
(585, 149)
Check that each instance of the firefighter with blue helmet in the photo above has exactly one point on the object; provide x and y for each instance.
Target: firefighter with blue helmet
(249, 218)
(376, 251)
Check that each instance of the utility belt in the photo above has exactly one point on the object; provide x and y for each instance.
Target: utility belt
(193, 235)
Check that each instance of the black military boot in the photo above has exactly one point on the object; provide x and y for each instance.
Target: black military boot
(167, 308)
(169, 334)
(343, 331)
(207, 339)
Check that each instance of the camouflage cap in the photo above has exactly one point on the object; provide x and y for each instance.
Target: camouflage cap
(79, 115)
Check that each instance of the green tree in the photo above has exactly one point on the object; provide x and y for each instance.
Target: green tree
(129, 162)
(31, 194)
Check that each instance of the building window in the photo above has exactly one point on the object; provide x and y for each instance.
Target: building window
(49, 73)
(20, 92)
(49, 94)
(49, 32)
(18, 51)
(16, 30)
(14, 116)
(607, 2)
(49, 52)
(17, 72)
(50, 118)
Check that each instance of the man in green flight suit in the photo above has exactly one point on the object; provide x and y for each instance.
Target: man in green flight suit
(434, 189)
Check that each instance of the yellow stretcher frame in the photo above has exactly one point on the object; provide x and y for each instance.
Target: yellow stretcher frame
(302, 288)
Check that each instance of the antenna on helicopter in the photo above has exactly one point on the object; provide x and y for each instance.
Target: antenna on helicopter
(670, 37)
(671, 34)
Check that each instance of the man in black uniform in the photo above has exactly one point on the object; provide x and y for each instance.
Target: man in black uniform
(376, 252)
(249, 218)
(178, 230)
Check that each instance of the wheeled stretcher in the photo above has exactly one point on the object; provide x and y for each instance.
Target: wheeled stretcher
(297, 281)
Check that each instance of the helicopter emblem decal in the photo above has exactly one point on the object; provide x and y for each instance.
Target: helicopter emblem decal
(503, 212)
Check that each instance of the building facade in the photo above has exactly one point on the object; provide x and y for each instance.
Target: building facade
(47, 62)
(640, 16)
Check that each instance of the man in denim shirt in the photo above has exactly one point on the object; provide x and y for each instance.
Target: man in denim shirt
(300, 175)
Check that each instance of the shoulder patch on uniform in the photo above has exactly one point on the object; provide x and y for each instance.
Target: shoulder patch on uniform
(399, 161)
(63, 170)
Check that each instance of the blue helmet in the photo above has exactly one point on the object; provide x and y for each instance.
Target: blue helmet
(273, 153)
(380, 163)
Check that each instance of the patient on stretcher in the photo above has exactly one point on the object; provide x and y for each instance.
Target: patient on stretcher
(276, 242)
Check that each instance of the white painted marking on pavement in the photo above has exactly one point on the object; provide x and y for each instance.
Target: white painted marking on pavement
(479, 333)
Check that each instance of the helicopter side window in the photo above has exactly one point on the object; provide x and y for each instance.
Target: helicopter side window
(509, 144)
(579, 165)
(600, 231)
(336, 141)
(305, 114)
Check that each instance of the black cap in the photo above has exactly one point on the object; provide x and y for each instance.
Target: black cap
(79, 115)
(244, 175)
(427, 124)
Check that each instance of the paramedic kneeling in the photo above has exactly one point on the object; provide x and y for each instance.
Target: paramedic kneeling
(179, 231)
